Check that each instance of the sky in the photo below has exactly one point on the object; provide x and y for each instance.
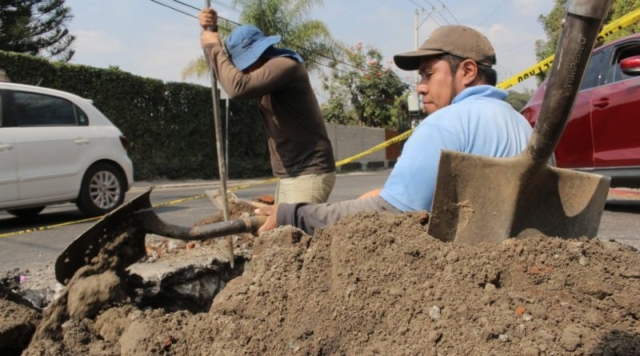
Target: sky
(147, 39)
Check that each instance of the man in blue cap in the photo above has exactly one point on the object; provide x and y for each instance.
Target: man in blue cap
(250, 66)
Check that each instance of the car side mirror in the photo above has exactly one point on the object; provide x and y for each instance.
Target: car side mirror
(630, 66)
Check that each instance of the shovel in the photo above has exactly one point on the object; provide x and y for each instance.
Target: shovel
(137, 218)
(481, 199)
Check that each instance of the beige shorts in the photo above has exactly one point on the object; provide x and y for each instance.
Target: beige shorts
(309, 188)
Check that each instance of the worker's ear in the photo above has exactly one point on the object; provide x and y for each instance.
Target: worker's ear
(469, 72)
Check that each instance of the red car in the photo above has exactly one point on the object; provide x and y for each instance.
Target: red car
(603, 133)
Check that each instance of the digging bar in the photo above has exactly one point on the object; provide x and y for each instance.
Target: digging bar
(481, 199)
(222, 166)
(136, 218)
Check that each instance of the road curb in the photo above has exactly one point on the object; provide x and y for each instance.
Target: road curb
(144, 185)
(624, 194)
(172, 185)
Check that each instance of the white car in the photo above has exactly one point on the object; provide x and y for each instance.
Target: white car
(56, 147)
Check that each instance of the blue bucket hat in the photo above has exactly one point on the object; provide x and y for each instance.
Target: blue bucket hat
(246, 44)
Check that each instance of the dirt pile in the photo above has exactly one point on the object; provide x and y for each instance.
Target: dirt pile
(378, 284)
(18, 317)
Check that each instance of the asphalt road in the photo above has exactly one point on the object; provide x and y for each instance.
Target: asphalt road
(37, 243)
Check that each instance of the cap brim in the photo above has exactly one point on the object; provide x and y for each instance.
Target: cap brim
(411, 60)
(250, 56)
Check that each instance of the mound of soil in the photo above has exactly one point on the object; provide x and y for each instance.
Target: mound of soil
(370, 284)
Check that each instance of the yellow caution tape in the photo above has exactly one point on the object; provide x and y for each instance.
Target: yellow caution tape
(545, 64)
(178, 201)
(385, 144)
(69, 223)
(619, 24)
(541, 67)
(49, 227)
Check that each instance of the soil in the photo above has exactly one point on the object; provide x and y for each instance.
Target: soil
(370, 284)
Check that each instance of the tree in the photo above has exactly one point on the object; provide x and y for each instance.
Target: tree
(551, 24)
(310, 38)
(337, 109)
(519, 99)
(365, 93)
(36, 27)
(198, 67)
(620, 8)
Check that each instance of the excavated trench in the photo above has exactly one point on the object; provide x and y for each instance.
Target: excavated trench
(39, 314)
(189, 288)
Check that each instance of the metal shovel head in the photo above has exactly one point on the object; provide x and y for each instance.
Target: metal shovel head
(135, 219)
(88, 245)
(480, 199)
(484, 199)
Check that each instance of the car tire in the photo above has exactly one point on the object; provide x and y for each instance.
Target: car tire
(103, 188)
(26, 212)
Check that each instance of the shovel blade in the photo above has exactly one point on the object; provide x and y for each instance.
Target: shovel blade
(88, 245)
(483, 199)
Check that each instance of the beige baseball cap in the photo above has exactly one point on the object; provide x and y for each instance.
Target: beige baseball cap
(460, 41)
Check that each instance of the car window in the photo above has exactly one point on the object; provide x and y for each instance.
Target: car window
(8, 111)
(623, 53)
(83, 119)
(33, 109)
(593, 72)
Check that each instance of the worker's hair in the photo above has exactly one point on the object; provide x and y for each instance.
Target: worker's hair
(485, 73)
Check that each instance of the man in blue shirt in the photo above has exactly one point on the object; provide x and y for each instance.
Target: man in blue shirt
(466, 113)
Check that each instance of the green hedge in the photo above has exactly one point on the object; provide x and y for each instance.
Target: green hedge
(169, 125)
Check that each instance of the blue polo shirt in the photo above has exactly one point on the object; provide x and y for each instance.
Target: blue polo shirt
(478, 121)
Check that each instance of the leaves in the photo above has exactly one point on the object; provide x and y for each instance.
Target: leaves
(552, 25)
(519, 99)
(36, 27)
(288, 18)
(364, 93)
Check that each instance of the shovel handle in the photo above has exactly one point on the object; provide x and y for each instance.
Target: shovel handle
(579, 31)
(153, 224)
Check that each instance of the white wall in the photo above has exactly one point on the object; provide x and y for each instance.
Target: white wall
(348, 141)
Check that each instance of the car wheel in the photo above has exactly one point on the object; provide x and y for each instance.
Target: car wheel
(102, 190)
(26, 212)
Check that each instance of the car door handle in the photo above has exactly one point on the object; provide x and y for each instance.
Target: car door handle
(603, 103)
(5, 147)
(82, 141)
